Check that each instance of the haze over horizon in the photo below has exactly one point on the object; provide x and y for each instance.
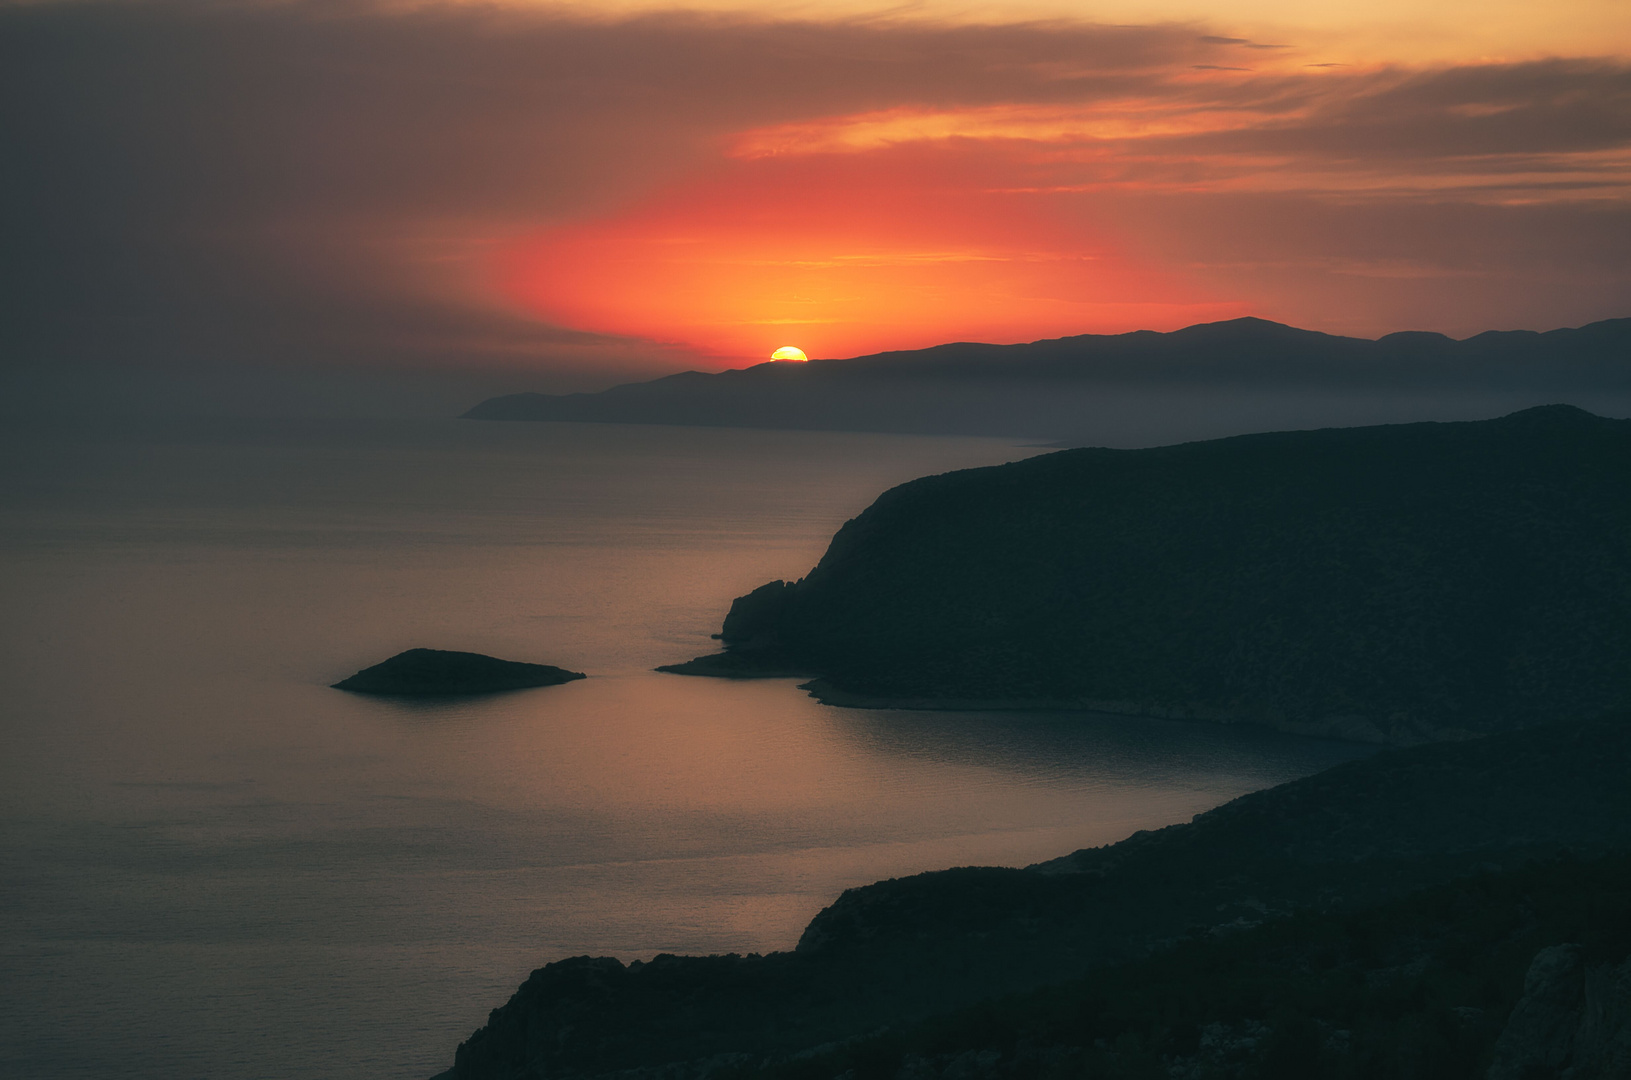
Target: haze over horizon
(375, 205)
(506, 486)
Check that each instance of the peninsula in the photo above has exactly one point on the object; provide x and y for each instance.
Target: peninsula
(1395, 584)
(1455, 906)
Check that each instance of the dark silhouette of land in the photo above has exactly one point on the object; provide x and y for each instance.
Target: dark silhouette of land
(1455, 909)
(1396, 584)
(1049, 389)
(1283, 930)
(438, 672)
(1513, 975)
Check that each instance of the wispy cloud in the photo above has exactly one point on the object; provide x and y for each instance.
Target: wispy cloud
(336, 181)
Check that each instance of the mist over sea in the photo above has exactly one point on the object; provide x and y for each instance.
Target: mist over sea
(213, 865)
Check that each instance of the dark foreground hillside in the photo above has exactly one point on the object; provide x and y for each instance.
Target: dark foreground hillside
(1397, 583)
(1515, 975)
(897, 954)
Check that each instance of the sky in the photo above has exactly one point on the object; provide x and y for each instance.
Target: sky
(483, 196)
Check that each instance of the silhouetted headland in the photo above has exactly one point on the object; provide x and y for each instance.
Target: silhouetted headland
(1395, 584)
(1059, 389)
(1461, 908)
(746, 664)
(439, 672)
(1407, 905)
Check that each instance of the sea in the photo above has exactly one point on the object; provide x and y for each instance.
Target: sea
(213, 865)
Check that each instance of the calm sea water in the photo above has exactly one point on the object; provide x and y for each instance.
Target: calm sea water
(212, 865)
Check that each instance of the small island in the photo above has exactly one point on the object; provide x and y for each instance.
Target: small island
(440, 672)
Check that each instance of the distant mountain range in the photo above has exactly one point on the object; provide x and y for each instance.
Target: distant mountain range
(1078, 386)
(1399, 583)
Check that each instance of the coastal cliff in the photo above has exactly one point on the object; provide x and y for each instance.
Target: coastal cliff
(1274, 903)
(1458, 589)
(1395, 584)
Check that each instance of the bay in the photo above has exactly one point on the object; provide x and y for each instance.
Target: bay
(213, 865)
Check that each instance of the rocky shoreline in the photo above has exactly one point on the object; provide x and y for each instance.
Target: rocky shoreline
(1460, 591)
(1428, 871)
(1397, 585)
(748, 665)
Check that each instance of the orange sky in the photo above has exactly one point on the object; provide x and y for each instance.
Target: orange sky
(1047, 214)
(573, 195)
(1356, 31)
(843, 255)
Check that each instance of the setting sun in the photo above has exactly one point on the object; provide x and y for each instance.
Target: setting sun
(788, 352)
(919, 260)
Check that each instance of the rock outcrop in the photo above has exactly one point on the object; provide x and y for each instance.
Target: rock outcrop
(440, 673)
(1573, 1021)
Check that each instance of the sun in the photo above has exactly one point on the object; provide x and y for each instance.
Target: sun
(788, 352)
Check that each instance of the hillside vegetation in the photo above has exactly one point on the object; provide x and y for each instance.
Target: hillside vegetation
(1397, 583)
(900, 953)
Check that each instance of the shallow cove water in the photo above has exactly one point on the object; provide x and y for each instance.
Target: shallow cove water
(213, 865)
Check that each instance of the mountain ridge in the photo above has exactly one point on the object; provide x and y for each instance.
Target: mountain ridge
(1042, 388)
